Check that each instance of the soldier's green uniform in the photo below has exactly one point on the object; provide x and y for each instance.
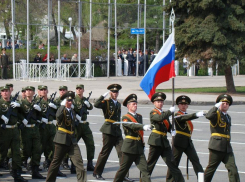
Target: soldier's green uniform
(133, 145)
(111, 133)
(159, 144)
(30, 135)
(83, 130)
(4, 62)
(182, 139)
(65, 142)
(10, 136)
(220, 149)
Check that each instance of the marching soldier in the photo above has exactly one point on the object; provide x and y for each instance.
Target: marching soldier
(111, 133)
(159, 144)
(11, 87)
(47, 128)
(23, 93)
(30, 132)
(10, 136)
(81, 105)
(4, 63)
(182, 139)
(65, 140)
(133, 145)
(220, 149)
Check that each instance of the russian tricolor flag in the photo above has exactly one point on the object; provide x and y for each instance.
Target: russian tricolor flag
(161, 69)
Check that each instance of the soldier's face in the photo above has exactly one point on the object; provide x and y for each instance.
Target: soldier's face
(132, 107)
(5, 94)
(224, 107)
(23, 94)
(11, 89)
(183, 107)
(43, 92)
(68, 103)
(114, 95)
(79, 91)
(29, 93)
(158, 104)
(62, 91)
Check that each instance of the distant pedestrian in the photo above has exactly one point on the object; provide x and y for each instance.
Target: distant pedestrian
(4, 63)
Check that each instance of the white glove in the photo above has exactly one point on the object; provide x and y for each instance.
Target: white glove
(52, 105)
(5, 119)
(87, 103)
(38, 121)
(147, 127)
(218, 104)
(25, 122)
(14, 104)
(37, 107)
(72, 106)
(78, 117)
(105, 94)
(173, 133)
(63, 103)
(172, 109)
(200, 114)
(44, 120)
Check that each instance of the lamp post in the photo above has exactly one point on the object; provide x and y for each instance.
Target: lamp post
(70, 20)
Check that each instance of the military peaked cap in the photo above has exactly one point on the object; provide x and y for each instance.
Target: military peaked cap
(114, 87)
(9, 85)
(69, 95)
(130, 98)
(4, 88)
(23, 89)
(224, 98)
(80, 86)
(158, 96)
(40, 87)
(63, 87)
(30, 88)
(183, 99)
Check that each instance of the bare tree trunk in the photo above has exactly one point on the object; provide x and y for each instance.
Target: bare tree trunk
(230, 86)
(6, 26)
(55, 28)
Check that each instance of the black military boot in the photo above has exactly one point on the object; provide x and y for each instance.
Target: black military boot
(65, 164)
(46, 164)
(90, 166)
(36, 174)
(17, 177)
(73, 168)
(60, 174)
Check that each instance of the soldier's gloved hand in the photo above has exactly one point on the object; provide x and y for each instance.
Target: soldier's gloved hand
(25, 122)
(38, 121)
(45, 120)
(200, 114)
(37, 107)
(147, 127)
(173, 133)
(52, 105)
(14, 104)
(105, 94)
(63, 103)
(172, 109)
(87, 103)
(78, 118)
(5, 119)
(218, 104)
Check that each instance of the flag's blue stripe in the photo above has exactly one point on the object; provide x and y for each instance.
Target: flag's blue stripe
(148, 80)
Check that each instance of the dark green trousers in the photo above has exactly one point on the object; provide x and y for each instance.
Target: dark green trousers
(31, 145)
(10, 138)
(75, 155)
(191, 154)
(215, 158)
(83, 131)
(109, 141)
(126, 162)
(166, 154)
(47, 136)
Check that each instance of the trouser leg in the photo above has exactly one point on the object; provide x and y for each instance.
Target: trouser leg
(230, 165)
(153, 156)
(141, 163)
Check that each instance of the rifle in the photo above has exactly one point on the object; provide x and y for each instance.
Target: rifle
(84, 107)
(49, 110)
(10, 111)
(29, 116)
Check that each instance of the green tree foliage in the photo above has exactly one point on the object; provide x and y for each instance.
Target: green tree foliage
(207, 29)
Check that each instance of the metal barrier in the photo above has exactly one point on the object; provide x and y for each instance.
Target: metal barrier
(53, 71)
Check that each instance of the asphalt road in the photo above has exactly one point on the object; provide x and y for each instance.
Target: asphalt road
(200, 139)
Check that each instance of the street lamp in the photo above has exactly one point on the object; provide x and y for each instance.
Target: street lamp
(70, 20)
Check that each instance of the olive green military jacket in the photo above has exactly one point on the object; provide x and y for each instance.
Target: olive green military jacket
(26, 107)
(78, 104)
(14, 118)
(161, 125)
(133, 146)
(66, 127)
(220, 127)
(4, 60)
(183, 128)
(58, 102)
(111, 113)
(44, 106)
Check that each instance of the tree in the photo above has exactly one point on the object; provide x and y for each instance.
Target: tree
(206, 29)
